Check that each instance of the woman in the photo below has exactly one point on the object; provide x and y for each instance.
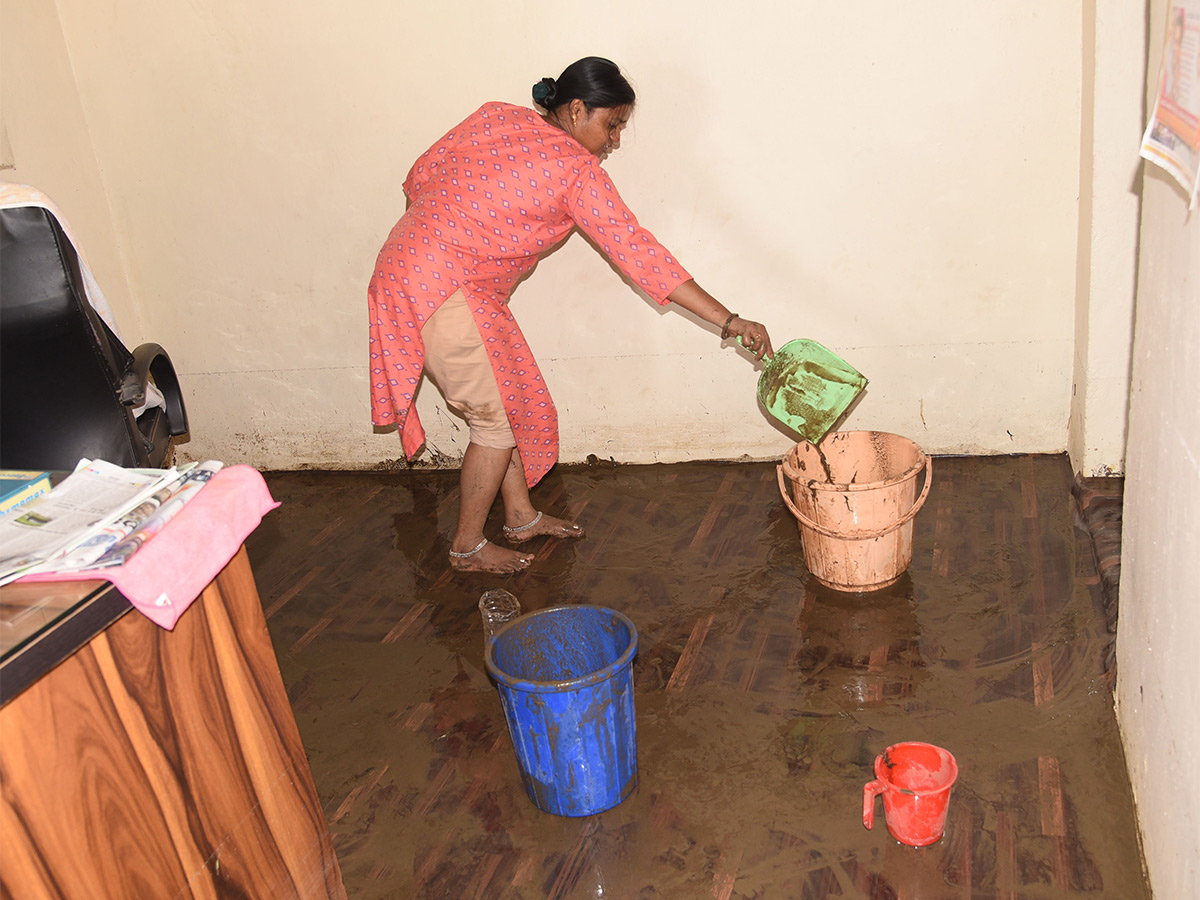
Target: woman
(485, 201)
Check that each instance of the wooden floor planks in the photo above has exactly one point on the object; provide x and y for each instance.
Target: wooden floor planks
(762, 697)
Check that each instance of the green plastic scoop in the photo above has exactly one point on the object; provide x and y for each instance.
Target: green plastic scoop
(807, 388)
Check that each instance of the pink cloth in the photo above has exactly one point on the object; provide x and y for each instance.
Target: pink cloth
(166, 575)
(486, 200)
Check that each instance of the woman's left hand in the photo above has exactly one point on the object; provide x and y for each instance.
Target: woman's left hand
(751, 335)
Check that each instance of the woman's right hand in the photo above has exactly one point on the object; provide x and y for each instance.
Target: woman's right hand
(751, 335)
(697, 300)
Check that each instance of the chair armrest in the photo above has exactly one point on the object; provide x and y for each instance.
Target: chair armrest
(151, 359)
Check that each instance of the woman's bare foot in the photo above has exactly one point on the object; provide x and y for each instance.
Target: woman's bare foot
(542, 524)
(487, 557)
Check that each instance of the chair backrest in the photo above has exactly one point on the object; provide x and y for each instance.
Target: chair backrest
(60, 365)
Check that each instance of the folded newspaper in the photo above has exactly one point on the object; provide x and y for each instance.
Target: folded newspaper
(97, 517)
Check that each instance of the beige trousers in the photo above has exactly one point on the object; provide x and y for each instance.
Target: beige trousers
(459, 366)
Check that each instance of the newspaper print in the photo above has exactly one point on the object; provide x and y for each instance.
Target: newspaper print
(1172, 139)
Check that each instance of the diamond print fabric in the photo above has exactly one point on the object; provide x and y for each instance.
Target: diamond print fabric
(484, 201)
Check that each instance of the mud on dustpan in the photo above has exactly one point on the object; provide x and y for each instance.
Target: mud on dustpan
(807, 388)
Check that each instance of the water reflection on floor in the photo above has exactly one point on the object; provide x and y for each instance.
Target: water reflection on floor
(762, 698)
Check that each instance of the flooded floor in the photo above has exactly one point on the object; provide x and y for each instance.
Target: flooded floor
(762, 698)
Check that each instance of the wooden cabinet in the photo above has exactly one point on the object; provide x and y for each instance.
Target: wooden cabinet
(162, 764)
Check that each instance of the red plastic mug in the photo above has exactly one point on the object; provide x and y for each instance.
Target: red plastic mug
(915, 780)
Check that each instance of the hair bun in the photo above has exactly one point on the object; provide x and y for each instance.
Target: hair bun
(544, 93)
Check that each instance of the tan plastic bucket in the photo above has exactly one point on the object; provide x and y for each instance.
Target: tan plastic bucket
(854, 497)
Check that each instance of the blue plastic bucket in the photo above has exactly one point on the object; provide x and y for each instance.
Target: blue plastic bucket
(565, 676)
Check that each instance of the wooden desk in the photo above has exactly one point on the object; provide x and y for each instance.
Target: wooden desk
(156, 764)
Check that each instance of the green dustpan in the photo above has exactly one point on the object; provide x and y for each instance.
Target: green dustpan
(807, 388)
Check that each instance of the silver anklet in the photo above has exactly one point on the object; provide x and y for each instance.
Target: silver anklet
(517, 529)
(469, 553)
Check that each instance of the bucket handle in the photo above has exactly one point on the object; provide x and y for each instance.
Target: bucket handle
(856, 535)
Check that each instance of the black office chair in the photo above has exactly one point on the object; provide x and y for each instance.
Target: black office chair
(68, 386)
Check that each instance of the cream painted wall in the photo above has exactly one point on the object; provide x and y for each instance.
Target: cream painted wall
(1158, 691)
(1159, 627)
(45, 142)
(1114, 40)
(898, 182)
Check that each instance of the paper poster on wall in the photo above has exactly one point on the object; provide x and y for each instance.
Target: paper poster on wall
(1172, 138)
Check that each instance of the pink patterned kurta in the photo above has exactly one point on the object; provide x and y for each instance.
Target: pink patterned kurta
(485, 201)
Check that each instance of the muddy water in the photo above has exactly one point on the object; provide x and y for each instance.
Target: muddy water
(762, 698)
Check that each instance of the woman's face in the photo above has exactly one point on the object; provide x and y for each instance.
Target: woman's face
(599, 129)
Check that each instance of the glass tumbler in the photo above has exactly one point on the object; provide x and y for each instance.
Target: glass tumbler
(495, 608)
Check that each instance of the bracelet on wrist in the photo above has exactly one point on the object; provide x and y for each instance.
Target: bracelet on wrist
(725, 327)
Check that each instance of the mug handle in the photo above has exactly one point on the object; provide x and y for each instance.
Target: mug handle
(871, 790)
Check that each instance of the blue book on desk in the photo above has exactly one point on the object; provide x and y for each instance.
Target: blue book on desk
(18, 486)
